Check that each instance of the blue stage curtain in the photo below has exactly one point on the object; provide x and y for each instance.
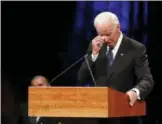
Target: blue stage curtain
(132, 16)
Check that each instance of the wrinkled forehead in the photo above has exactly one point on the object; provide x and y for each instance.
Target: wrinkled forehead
(39, 79)
(103, 29)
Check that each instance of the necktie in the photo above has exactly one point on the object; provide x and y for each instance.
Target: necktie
(110, 57)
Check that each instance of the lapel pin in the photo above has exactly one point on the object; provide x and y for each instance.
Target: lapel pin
(121, 54)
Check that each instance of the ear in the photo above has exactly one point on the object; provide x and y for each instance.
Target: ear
(118, 28)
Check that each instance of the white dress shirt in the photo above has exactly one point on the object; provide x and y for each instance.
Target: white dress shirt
(115, 50)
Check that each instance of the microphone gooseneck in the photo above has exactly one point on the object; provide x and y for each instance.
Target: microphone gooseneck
(76, 62)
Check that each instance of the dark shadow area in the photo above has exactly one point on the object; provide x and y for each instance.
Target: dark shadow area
(36, 39)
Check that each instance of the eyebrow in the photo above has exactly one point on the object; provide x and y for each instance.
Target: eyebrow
(105, 34)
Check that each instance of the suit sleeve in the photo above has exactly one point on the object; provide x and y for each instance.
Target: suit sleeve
(143, 73)
(84, 73)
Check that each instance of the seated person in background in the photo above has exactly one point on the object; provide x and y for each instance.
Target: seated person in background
(39, 81)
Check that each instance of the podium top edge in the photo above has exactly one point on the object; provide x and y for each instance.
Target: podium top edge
(67, 87)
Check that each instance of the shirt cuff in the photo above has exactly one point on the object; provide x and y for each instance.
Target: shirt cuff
(137, 91)
(94, 57)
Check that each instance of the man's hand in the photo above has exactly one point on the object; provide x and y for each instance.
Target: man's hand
(97, 42)
(132, 97)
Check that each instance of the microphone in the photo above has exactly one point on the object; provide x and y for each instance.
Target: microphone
(89, 68)
(76, 62)
(72, 65)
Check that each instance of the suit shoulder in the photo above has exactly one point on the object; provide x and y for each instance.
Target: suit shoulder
(135, 44)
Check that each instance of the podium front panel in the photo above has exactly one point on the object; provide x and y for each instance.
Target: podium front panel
(68, 102)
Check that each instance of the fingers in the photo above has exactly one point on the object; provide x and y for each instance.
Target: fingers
(132, 101)
(98, 40)
(97, 43)
(132, 97)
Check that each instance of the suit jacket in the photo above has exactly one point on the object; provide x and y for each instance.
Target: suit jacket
(130, 68)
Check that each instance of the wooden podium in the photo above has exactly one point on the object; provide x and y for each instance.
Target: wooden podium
(92, 102)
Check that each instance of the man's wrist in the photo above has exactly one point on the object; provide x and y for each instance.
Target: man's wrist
(137, 92)
(94, 57)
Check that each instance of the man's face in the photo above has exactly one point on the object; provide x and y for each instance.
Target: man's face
(39, 82)
(109, 32)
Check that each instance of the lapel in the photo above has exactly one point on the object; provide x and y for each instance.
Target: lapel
(120, 60)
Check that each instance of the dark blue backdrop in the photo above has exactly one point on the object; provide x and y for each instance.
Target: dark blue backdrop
(132, 16)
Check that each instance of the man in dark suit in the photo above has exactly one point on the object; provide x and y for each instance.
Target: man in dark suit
(41, 81)
(117, 61)
(37, 81)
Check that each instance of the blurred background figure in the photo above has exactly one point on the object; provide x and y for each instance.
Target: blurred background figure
(39, 81)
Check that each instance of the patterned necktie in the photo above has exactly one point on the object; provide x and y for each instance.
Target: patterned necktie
(110, 57)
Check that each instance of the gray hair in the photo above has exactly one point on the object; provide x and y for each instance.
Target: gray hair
(106, 17)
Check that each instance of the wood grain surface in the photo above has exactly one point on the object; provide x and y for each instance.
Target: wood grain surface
(80, 102)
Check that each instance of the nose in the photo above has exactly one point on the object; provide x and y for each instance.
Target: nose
(104, 38)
